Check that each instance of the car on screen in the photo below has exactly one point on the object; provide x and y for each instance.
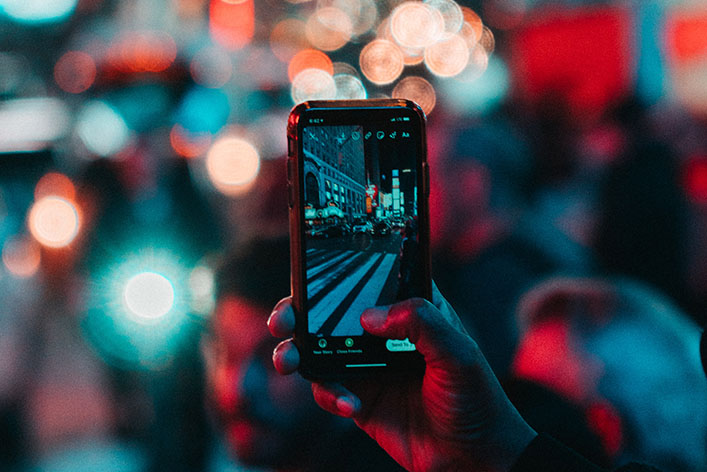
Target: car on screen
(364, 227)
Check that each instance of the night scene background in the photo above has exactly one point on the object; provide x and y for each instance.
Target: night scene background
(142, 141)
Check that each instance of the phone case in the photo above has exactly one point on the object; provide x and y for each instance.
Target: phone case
(310, 368)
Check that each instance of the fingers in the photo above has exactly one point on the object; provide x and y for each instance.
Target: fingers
(434, 333)
(336, 399)
(285, 357)
(282, 319)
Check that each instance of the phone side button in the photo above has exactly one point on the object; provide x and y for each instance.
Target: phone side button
(290, 195)
(426, 178)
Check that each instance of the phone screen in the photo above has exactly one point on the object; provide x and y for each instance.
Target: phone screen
(361, 218)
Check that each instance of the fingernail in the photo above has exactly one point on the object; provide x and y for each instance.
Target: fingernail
(346, 406)
(374, 317)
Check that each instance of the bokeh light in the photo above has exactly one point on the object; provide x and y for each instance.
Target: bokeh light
(448, 57)
(362, 14)
(487, 40)
(489, 90)
(21, 256)
(55, 184)
(416, 25)
(329, 28)
(232, 24)
(75, 72)
(142, 52)
(148, 295)
(138, 307)
(365, 15)
(478, 63)
(203, 110)
(202, 284)
(694, 179)
(451, 13)
(309, 59)
(102, 129)
(381, 61)
(188, 144)
(30, 124)
(54, 221)
(349, 87)
(418, 90)
(313, 84)
(287, 38)
(38, 11)
(232, 165)
(474, 23)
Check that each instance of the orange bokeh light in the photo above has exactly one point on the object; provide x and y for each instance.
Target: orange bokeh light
(54, 221)
(188, 144)
(329, 29)
(447, 58)
(472, 27)
(381, 61)
(232, 25)
(21, 257)
(232, 164)
(418, 90)
(75, 72)
(143, 52)
(309, 59)
(685, 35)
(54, 183)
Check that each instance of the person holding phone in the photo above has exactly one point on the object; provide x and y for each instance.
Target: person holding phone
(454, 416)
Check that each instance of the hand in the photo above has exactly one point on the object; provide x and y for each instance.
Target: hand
(455, 417)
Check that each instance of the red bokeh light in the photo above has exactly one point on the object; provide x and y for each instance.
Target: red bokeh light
(581, 56)
(695, 179)
(232, 25)
(75, 72)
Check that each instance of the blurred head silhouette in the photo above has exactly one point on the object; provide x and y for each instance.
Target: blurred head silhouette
(626, 355)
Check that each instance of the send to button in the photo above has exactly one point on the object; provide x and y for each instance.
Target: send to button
(395, 345)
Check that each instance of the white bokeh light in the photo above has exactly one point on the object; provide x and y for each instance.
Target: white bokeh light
(102, 129)
(149, 295)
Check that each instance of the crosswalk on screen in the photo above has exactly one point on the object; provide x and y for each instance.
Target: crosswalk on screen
(360, 211)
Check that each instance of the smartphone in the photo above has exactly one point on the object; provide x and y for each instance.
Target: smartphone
(359, 230)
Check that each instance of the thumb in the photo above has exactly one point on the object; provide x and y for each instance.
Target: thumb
(423, 324)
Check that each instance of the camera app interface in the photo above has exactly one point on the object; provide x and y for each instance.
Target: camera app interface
(361, 236)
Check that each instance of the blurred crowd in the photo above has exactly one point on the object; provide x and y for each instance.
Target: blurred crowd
(143, 211)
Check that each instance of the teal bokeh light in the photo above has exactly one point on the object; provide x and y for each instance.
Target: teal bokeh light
(138, 309)
(38, 11)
